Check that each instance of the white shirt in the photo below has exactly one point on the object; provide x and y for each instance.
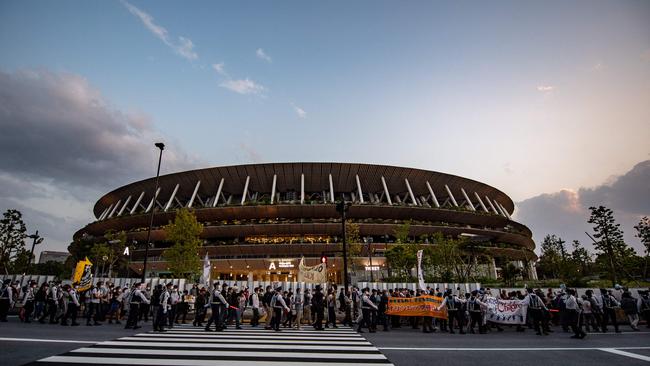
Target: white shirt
(256, 301)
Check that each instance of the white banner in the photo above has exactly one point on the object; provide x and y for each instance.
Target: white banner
(205, 277)
(420, 275)
(505, 311)
(315, 274)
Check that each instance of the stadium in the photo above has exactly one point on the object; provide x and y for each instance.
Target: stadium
(260, 219)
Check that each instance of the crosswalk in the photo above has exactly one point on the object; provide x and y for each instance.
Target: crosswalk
(186, 345)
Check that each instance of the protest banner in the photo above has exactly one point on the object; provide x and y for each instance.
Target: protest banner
(314, 274)
(416, 306)
(505, 311)
(83, 275)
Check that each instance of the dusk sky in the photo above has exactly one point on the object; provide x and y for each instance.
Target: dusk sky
(548, 101)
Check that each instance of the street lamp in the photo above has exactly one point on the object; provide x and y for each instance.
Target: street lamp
(368, 241)
(342, 208)
(161, 146)
(37, 240)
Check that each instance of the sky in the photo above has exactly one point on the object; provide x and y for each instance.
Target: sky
(547, 101)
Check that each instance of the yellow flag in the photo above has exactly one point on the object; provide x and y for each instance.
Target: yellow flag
(83, 274)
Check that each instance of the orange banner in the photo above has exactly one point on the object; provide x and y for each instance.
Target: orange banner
(416, 306)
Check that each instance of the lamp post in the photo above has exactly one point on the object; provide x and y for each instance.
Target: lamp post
(342, 208)
(368, 241)
(161, 146)
(37, 240)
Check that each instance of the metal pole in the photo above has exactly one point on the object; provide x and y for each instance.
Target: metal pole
(35, 237)
(342, 208)
(372, 279)
(161, 146)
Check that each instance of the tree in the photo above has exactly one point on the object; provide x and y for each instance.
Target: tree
(12, 237)
(183, 256)
(100, 253)
(610, 241)
(643, 233)
(116, 243)
(402, 231)
(509, 274)
(553, 260)
(400, 262)
(581, 259)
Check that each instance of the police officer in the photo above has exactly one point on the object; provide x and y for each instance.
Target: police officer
(609, 305)
(475, 307)
(366, 306)
(573, 314)
(137, 298)
(217, 303)
(72, 304)
(453, 303)
(6, 299)
(318, 307)
(162, 308)
(29, 300)
(278, 305)
(536, 308)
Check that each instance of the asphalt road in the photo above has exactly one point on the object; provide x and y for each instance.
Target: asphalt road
(406, 346)
(23, 343)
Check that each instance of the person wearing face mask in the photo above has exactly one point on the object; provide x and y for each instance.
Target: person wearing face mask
(29, 299)
(366, 307)
(136, 299)
(163, 309)
(72, 304)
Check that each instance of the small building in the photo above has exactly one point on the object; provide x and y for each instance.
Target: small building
(47, 256)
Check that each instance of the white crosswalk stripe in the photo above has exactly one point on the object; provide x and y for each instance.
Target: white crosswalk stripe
(186, 345)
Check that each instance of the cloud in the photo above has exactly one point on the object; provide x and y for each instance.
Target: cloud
(252, 154)
(299, 111)
(599, 66)
(545, 88)
(220, 69)
(183, 47)
(262, 55)
(63, 145)
(645, 56)
(243, 86)
(565, 213)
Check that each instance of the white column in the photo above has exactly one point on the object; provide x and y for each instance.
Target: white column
(331, 189)
(383, 183)
(359, 189)
(128, 199)
(433, 195)
(171, 198)
(114, 209)
(137, 202)
(243, 196)
(101, 217)
(491, 205)
(196, 189)
(453, 199)
(216, 196)
(499, 208)
(302, 188)
(408, 186)
(505, 212)
(480, 201)
(275, 179)
(471, 205)
(153, 200)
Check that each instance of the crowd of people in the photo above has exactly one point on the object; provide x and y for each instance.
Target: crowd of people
(217, 307)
